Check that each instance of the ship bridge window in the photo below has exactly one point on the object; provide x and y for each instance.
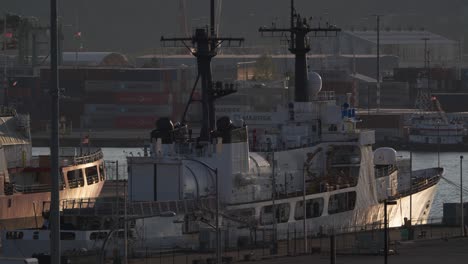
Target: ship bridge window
(282, 214)
(342, 202)
(102, 173)
(75, 178)
(314, 208)
(92, 175)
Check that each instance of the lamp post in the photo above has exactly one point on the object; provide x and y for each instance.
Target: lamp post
(386, 202)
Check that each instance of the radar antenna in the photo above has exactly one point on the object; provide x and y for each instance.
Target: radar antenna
(204, 45)
(299, 46)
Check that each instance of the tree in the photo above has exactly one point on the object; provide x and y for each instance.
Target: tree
(265, 69)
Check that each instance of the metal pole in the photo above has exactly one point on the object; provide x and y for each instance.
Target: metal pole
(332, 249)
(304, 207)
(274, 201)
(411, 195)
(54, 142)
(125, 223)
(218, 240)
(5, 58)
(378, 62)
(462, 224)
(438, 144)
(385, 234)
(117, 211)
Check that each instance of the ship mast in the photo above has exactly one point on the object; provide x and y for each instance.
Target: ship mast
(299, 46)
(203, 45)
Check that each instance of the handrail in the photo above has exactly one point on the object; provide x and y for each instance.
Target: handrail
(94, 156)
(32, 188)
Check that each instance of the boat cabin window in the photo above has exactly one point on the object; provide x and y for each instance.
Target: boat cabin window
(14, 235)
(92, 175)
(314, 208)
(102, 173)
(75, 178)
(282, 214)
(246, 215)
(342, 202)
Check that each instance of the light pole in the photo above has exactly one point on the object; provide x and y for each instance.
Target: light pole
(386, 202)
(378, 62)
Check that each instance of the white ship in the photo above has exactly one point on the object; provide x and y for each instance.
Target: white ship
(432, 129)
(313, 156)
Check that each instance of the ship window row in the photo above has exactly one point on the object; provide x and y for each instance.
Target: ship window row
(93, 175)
(342, 202)
(314, 208)
(338, 203)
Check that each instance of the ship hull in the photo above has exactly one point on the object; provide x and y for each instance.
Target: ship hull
(23, 210)
(170, 233)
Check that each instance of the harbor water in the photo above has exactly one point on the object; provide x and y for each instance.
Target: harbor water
(446, 192)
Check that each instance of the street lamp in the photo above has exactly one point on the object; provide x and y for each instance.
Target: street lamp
(386, 202)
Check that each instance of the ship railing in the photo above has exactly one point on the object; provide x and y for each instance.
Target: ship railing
(36, 188)
(100, 207)
(7, 111)
(422, 183)
(87, 158)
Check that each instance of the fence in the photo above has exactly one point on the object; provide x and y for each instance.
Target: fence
(262, 245)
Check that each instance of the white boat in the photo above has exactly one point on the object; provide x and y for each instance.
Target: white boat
(25, 180)
(319, 156)
(313, 155)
